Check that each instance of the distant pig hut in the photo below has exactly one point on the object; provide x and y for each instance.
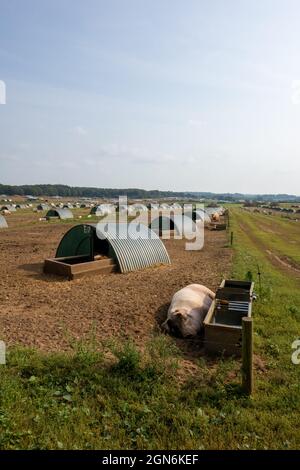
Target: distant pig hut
(175, 206)
(199, 216)
(139, 207)
(104, 248)
(172, 224)
(42, 207)
(215, 212)
(8, 208)
(102, 209)
(57, 213)
(3, 223)
(164, 207)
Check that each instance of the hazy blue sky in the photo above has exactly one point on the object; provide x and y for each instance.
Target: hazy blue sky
(169, 94)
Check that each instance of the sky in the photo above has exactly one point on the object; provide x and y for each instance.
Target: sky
(157, 94)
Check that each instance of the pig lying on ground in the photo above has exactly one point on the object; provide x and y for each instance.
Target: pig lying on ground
(188, 309)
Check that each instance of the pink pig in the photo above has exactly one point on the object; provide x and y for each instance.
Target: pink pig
(188, 309)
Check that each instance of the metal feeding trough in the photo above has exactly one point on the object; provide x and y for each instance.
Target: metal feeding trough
(223, 322)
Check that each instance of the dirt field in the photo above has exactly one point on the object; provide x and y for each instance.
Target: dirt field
(48, 312)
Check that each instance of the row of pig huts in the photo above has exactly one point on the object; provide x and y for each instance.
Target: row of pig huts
(108, 246)
(63, 211)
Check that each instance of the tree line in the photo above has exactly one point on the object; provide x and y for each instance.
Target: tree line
(76, 191)
(62, 190)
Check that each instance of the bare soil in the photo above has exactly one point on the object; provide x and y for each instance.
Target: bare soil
(49, 313)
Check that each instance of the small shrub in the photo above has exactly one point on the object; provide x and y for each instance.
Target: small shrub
(129, 358)
(295, 311)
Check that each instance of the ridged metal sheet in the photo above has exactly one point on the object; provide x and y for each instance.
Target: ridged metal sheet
(135, 245)
(181, 223)
(3, 223)
(200, 215)
(184, 225)
(61, 213)
(213, 210)
(43, 207)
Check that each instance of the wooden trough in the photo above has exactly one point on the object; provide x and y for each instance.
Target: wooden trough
(217, 226)
(223, 322)
(104, 248)
(74, 267)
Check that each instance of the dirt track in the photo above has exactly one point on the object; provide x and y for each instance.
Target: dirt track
(280, 262)
(48, 312)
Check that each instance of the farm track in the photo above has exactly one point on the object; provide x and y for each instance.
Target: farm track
(282, 263)
(50, 313)
(277, 226)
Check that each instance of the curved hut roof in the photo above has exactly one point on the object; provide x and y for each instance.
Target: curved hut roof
(132, 246)
(9, 208)
(180, 223)
(199, 215)
(43, 207)
(60, 213)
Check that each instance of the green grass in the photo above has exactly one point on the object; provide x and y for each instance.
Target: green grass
(115, 396)
(282, 236)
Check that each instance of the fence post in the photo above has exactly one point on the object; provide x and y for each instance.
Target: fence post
(247, 355)
(231, 238)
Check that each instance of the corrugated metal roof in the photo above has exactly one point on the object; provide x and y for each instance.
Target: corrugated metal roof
(103, 209)
(178, 222)
(212, 210)
(61, 213)
(9, 207)
(43, 207)
(199, 215)
(135, 245)
(139, 207)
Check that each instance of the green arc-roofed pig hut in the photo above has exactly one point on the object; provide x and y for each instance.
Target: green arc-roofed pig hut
(42, 207)
(177, 223)
(132, 246)
(9, 208)
(126, 247)
(62, 214)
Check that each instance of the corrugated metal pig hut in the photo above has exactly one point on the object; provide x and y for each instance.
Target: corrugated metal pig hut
(104, 248)
(223, 322)
(57, 213)
(176, 225)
